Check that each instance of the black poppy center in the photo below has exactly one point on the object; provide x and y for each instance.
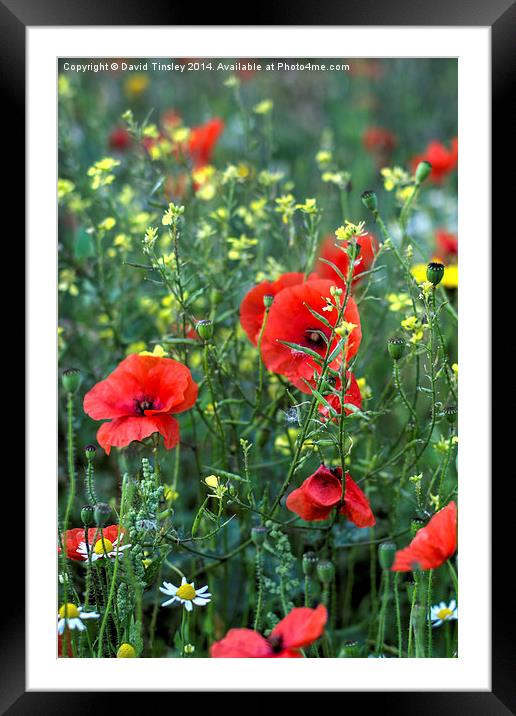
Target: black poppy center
(143, 404)
(276, 643)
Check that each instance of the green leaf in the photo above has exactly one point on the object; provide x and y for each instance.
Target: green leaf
(303, 349)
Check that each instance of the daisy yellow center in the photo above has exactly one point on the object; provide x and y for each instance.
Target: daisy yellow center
(68, 611)
(186, 591)
(444, 613)
(102, 546)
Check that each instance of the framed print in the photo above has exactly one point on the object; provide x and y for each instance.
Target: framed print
(252, 403)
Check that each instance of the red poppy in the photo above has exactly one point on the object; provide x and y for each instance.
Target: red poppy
(300, 628)
(120, 139)
(432, 545)
(447, 243)
(252, 308)
(202, 140)
(138, 399)
(443, 160)
(335, 251)
(377, 139)
(74, 537)
(290, 320)
(322, 492)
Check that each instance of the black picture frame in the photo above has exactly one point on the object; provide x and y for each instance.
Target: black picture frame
(500, 16)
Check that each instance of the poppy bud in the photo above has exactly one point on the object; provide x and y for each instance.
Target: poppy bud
(309, 563)
(126, 651)
(259, 535)
(450, 413)
(396, 347)
(88, 515)
(386, 554)
(90, 451)
(71, 380)
(350, 650)
(423, 170)
(370, 201)
(415, 526)
(268, 300)
(435, 272)
(102, 514)
(325, 571)
(205, 329)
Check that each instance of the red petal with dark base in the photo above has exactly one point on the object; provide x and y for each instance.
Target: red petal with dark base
(432, 545)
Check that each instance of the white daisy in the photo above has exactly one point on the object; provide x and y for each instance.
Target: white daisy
(443, 612)
(103, 548)
(72, 617)
(185, 594)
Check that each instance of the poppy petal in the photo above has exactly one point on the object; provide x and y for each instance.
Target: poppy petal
(123, 431)
(301, 627)
(433, 545)
(241, 643)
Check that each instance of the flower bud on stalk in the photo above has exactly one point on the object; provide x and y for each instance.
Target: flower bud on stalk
(435, 272)
(88, 515)
(370, 201)
(102, 514)
(423, 170)
(268, 300)
(325, 571)
(205, 329)
(396, 347)
(71, 380)
(259, 535)
(386, 554)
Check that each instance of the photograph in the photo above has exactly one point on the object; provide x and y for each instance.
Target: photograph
(257, 348)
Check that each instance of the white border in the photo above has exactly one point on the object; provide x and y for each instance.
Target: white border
(471, 670)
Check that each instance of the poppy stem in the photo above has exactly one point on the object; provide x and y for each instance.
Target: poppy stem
(428, 607)
(259, 584)
(259, 390)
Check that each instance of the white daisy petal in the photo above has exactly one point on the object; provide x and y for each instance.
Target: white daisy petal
(60, 626)
(183, 581)
(188, 606)
(89, 615)
(202, 589)
(169, 601)
(452, 604)
(201, 602)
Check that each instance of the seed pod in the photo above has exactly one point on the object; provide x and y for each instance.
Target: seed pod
(415, 526)
(369, 200)
(90, 451)
(386, 554)
(268, 300)
(396, 347)
(435, 272)
(205, 329)
(325, 571)
(102, 514)
(71, 380)
(450, 413)
(88, 515)
(309, 563)
(423, 170)
(350, 650)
